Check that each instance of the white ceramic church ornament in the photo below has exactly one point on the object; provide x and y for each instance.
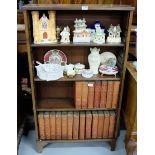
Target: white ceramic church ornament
(44, 29)
(94, 60)
(114, 34)
(65, 35)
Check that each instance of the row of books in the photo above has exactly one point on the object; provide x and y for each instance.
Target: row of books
(99, 94)
(76, 125)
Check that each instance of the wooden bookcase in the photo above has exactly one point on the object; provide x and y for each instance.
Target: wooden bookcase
(58, 95)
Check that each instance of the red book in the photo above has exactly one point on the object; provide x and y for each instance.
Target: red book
(76, 125)
(112, 124)
(78, 94)
(115, 94)
(97, 94)
(70, 125)
(106, 124)
(64, 125)
(84, 95)
(100, 124)
(47, 125)
(52, 124)
(90, 94)
(88, 124)
(41, 125)
(103, 94)
(58, 125)
(82, 125)
(94, 124)
(109, 94)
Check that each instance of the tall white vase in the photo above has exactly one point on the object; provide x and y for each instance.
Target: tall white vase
(94, 60)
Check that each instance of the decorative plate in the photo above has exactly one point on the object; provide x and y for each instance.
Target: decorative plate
(108, 70)
(55, 57)
(108, 59)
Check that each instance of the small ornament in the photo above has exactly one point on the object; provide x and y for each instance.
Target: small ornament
(71, 73)
(65, 35)
(58, 30)
(78, 68)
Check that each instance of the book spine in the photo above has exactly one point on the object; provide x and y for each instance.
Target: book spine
(100, 124)
(90, 94)
(58, 125)
(112, 124)
(41, 125)
(109, 94)
(78, 94)
(88, 124)
(115, 94)
(70, 125)
(84, 94)
(103, 94)
(64, 125)
(106, 124)
(94, 124)
(47, 125)
(52, 124)
(97, 95)
(82, 125)
(76, 125)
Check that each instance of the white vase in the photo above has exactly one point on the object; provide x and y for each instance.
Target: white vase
(94, 60)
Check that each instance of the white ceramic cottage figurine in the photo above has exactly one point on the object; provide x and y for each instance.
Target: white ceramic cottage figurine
(65, 35)
(114, 34)
(44, 29)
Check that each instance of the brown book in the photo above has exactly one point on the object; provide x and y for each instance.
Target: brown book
(103, 94)
(97, 95)
(76, 125)
(100, 124)
(41, 125)
(106, 124)
(88, 124)
(47, 125)
(52, 124)
(112, 124)
(84, 94)
(58, 125)
(78, 94)
(82, 125)
(64, 125)
(115, 94)
(94, 124)
(70, 125)
(109, 94)
(90, 94)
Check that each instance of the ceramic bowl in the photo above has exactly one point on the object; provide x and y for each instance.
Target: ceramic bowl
(78, 68)
(87, 73)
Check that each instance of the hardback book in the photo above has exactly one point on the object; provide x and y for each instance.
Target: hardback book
(100, 124)
(78, 94)
(82, 125)
(106, 124)
(90, 94)
(115, 94)
(88, 124)
(84, 94)
(97, 95)
(58, 125)
(76, 125)
(94, 124)
(70, 125)
(112, 124)
(47, 125)
(109, 94)
(41, 125)
(64, 125)
(52, 124)
(103, 94)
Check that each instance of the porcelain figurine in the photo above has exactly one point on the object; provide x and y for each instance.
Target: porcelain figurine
(58, 30)
(94, 60)
(65, 35)
(44, 29)
(71, 73)
(114, 34)
(81, 33)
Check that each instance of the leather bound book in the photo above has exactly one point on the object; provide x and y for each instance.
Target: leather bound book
(88, 124)
(90, 94)
(78, 94)
(109, 94)
(47, 125)
(41, 125)
(106, 124)
(52, 124)
(70, 125)
(100, 124)
(84, 94)
(97, 95)
(94, 124)
(82, 125)
(76, 125)
(115, 94)
(103, 94)
(64, 125)
(58, 125)
(112, 124)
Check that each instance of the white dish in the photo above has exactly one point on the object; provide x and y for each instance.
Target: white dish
(87, 73)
